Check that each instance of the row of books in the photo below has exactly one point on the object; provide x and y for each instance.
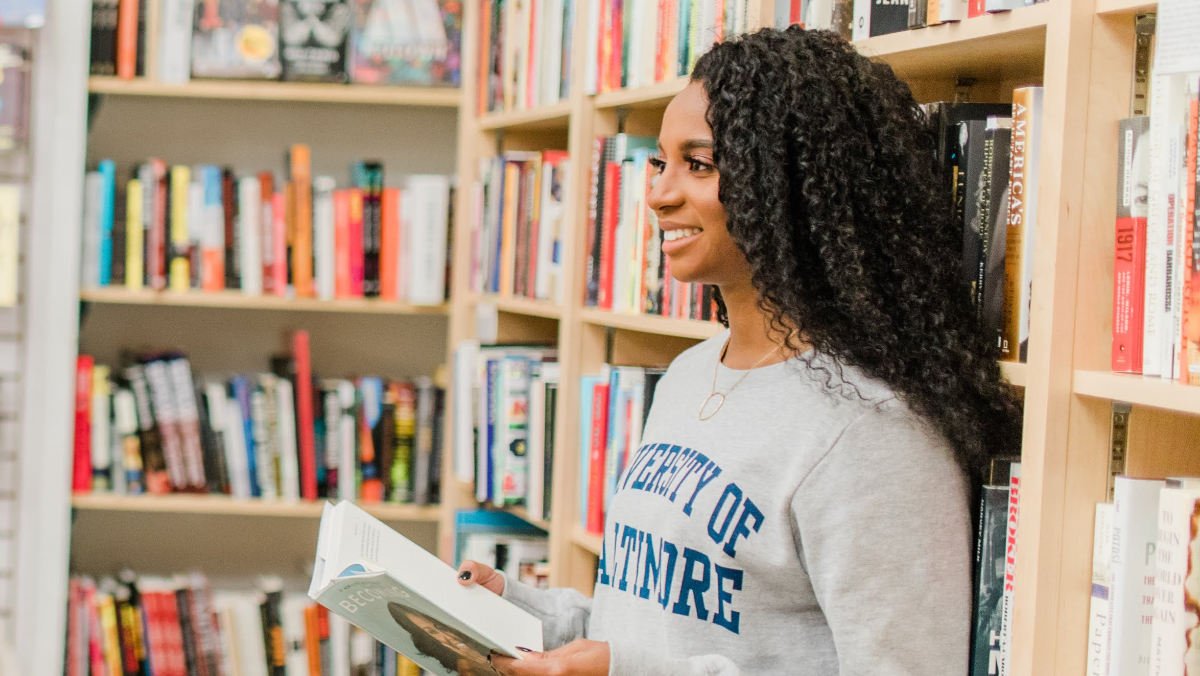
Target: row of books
(994, 570)
(613, 407)
(1156, 276)
(1144, 579)
(205, 228)
(179, 626)
(518, 224)
(990, 154)
(371, 42)
(626, 269)
(506, 397)
(151, 427)
(872, 17)
(524, 53)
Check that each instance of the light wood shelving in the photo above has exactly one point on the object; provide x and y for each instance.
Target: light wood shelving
(1161, 393)
(523, 306)
(1109, 7)
(546, 117)
(663, 326)
(588, 542)
(1014, 373)
(657, 95)
(234, 300)
(268, 90)
(220, 505)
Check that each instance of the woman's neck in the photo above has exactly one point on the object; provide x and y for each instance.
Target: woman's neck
(750, 335)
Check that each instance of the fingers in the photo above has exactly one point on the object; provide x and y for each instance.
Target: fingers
(533, 664)
(473, 572)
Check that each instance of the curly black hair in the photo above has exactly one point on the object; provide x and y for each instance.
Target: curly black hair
(832, 190)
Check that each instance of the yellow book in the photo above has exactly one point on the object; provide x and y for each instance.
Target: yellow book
(406, 667)
(133, 236)
(181, 271)
(508, 227)
(108, 630)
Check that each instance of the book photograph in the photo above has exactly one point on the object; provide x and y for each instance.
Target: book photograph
(406, 42)
(236, 39)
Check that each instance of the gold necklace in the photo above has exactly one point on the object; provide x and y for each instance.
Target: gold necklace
(720, 396)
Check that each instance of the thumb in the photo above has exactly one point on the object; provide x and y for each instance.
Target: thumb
(473, 572)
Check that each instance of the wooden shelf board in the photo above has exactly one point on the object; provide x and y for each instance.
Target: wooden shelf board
(267, 90)
(1125, 6)
(1161, 393)
(1014, 373)
(522, 306)
(587, 541)
(237, 300)
(982, 45)
(524, 515)
(221, 505)
(664, 326)
(554, 116)
(657, 95)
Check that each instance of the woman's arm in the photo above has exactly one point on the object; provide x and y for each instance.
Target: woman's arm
(564, 612)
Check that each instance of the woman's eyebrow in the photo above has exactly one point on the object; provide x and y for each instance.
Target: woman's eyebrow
(693, 144)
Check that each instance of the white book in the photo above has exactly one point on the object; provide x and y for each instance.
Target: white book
(399, 593)
(245, 625)
(862, 20)
(324, 248)
(89, 269)
(175, 42)
(818, 15)
(1010, 567)
(466, 357)
(339, 645)
(291, 616)
(101, 442)
(952, 10)
(429, 196)
(235, 450)
(1131, 580)
(332, 410)
(551, 53)
(1097, 647)
(250, 234)
(10, 244)
(591, 77)
(226, 632)
(649, 40)
(1166, 116)
(1176, 585)
(347, 489)
(285, 421)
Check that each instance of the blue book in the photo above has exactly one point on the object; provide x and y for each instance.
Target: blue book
(371, 391)
(108, 190)
(587, 385)
(493, 373)
(685, 15)
(241, 392)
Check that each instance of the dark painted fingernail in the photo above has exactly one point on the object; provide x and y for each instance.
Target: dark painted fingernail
(465, 575)
(524, 650)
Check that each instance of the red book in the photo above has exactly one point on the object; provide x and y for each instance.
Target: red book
(304, 415)
(664, 306)
(1190, 294)
(608, 242)
(266, 183)
(156, 238)
(389, 245)
(596, 466)
(1129, 260)
(341, 244)
(279, 241)
(127, 39)
(357, 268)
(616, 72)
(975, 8)
(794, 12)
(81, 477)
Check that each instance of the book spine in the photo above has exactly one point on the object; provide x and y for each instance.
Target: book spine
(103, 58)
(304, 415)
(372, 227)
(423, 461)
(231, 237)
(134, 270)
(154, 464)
(249, 228)
(389, 244)
(279, 216)
(175, 53)
(156, 240)
(612, 217)
(596, 462)
(108, 184)
(357, 255)
(167, 417)
(1164, 97)
(1129, 269)
(101, 446)
(212, 237)
(405, 439)
(125, 421)
(302, 240)
(1185, 259)
(180, 265)
(184, 389)
(82, 475)
(127, 38)
(1191, 337)
(1018, 217)
(1010, 566)
(975, 8)
(1173, 607)
(1131, 578)
(324, 246)
(429, 197)
(1098, 628)
(289, 457)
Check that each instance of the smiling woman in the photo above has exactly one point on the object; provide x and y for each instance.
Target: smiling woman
(799, 503)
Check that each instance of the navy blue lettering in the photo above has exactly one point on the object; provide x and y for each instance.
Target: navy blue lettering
(731, 622)
(602, 566)
(672, 452)
(731, 491)
(668, 579)
(692, 585)
(651, 568)
(630, 533)
(689, 465)
(711, 471)
(749, 511)
(640, 482)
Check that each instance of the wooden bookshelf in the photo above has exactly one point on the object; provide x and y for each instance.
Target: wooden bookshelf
(235, 300)
(662, 326)
(1163, 393)
(555, 116)
(522, 306)
(657, 95)
(221, 505)
(524, 515)
(1014, 373)
(1113, 7)
(588, 542)
(268, 90)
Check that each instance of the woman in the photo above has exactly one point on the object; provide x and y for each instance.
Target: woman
(800, 502)
(455, 651)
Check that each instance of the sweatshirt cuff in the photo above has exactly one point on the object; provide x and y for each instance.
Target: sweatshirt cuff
(627, 659)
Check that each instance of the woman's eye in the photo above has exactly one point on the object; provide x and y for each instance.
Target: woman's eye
(697, 165)
(657, 164)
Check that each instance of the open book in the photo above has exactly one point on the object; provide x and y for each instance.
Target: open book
(390, 587)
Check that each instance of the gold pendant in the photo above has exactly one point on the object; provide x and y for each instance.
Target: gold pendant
(704, 406)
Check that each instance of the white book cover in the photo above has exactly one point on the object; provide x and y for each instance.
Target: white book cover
(235, 450)
(1097, 646)
(1176, 626)
(285, 426)
(243, 619)
(89, 269)
(1166, 115)
(250, 234)
(1131, 580)
(426, 234)
(410, 600)
(862, 20)
(952, 10)
(291, 616)
(552, 51)
(324, 248)
(175, 45)
(347, 479)
(339, 645)
(466, 356)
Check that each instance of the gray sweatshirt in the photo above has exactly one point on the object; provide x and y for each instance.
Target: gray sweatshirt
(797, 531)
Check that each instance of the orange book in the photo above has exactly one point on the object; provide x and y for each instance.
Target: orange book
(356, 242)
(389, 244)
(127, 39)
(279, 213)
(302, 241)
(312, 638)
(1189, 306)
(341, 244)
(266, 184)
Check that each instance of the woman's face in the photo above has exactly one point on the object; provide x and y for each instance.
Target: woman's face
(684, 196)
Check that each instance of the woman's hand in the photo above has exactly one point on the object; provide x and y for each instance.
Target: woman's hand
(577, 658)
(473, 572)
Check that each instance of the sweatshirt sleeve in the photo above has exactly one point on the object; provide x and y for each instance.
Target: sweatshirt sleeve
(564, 612)
(884, 533)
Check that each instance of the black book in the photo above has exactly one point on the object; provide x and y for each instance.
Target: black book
(371, 181)
(994, 218)
(213, 445)
(233, 276)
(970, 183)
(384, 438)
(117, 275)
(888, 16)
(706, 302)
(140, 59)
(548, 449)
(603, 153)
(104, 38)
(312, 37)
(436, 456)
(989, 578)
(272, 625)
(652, 378)
(187, 628)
